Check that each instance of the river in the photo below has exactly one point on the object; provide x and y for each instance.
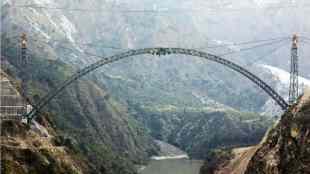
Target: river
(172, 166)
(171, 161)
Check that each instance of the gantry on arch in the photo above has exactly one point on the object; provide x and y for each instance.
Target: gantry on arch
(157, 51)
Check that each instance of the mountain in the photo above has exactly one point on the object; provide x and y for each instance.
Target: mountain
(283, 150)
(201, 130)
(111, 141)
(286, 147)
(33, 148)
(25, 150)
(281, 79)
(62, 36)
(53, 31)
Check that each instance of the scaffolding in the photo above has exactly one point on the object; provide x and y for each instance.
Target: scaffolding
(12, 104)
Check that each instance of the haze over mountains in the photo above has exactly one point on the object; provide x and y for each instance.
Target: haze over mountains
(115, 24)
(177, 99)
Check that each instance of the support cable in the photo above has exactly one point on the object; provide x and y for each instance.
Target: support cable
(267, 54)
(173, 11)
(250, 48)
(159, 51)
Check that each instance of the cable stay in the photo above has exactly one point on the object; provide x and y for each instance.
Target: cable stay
(274, 50)
(160, 51)
(265, 42)
(163, 11)
(246, 42)
(157, 51)
(254, 47)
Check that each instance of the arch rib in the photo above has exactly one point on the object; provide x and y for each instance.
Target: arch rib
(158, 51)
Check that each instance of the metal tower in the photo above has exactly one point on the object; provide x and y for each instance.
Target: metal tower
(293, 91)
(23, 58)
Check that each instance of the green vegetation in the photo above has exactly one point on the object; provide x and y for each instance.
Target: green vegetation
(104, 134)
(201, 130)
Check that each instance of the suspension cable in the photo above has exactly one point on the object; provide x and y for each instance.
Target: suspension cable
(217, 46)
(67, 41)
(273, 41)
(101, 10)
(250, 48)
(248, 42)
(228, 53)
(267, 54)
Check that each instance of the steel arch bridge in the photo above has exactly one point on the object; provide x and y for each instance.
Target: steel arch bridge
(157, 51)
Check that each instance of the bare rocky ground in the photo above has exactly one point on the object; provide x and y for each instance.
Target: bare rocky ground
(33, 150)
(286, 149)
(238, 164)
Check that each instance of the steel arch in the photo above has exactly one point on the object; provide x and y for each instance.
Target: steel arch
(158, 51)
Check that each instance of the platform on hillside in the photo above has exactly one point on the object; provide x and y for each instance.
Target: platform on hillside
(12, 104)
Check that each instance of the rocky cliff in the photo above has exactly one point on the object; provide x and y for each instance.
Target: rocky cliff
(285, 149)
(36, 150)
(32, 148)
(100, 127)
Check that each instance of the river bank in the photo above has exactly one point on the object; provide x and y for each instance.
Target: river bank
(172, 160)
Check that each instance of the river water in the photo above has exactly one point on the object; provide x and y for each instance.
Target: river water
(172, 160)
(172, 166)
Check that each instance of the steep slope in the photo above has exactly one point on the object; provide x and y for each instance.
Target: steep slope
(189, 79)
(112, 141)
(283, 150)
(33, 150)
(175, 80)
(209, 130)
(201, 130)
(286, 148)
(228, 161)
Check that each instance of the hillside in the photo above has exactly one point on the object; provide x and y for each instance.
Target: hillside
(104, 134)
(283, 150)
(286, 149)
(176, 80)
(114, 113)
(201, 130)
(57, 45)
(34, 150)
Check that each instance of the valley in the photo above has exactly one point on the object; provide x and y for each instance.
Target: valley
(154, 87)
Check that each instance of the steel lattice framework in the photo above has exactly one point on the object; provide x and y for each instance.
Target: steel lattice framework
(294, 86)
(158, 51)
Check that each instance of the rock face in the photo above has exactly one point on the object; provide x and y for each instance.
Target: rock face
(29, 150)
(229, 162)
(104, 134)
(286, 149)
